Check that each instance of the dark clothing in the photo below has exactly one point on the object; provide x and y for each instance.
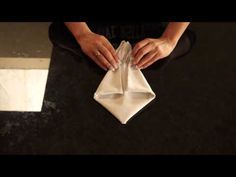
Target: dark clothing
(115, 33)
(133, 32)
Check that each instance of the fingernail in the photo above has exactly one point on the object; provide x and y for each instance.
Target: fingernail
(134, 66)
(111, 68)
(117, 66)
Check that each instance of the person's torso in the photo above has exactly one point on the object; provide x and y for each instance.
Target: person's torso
(127, 30)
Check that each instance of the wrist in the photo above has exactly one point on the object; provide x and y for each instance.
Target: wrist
(78, 29)
(80, 36)
(171, 40)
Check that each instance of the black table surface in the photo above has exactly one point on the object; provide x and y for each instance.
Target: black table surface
(193, 114)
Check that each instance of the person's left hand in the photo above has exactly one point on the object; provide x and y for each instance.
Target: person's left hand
(149, 50)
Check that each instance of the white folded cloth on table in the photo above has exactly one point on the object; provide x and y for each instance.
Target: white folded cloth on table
(125, 91)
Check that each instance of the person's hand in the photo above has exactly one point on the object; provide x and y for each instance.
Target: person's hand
(148, 51)
(99, 49)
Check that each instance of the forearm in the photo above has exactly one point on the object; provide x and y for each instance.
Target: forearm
(77, 28)
(174, 31)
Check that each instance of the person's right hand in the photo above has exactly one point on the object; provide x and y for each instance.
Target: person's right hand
(99, 49)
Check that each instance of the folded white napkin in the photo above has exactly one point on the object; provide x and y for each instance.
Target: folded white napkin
(124, 91)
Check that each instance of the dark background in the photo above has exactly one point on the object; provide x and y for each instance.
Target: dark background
(193, 114)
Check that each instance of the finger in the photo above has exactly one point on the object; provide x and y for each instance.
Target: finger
(146, 58)
(143, 51)
(150, 62)
(104, 61)
(108, 56)
(98, 62)
(112, 50)
(140, 45)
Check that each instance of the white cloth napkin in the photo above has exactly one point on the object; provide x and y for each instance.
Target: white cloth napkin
(124, 91)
